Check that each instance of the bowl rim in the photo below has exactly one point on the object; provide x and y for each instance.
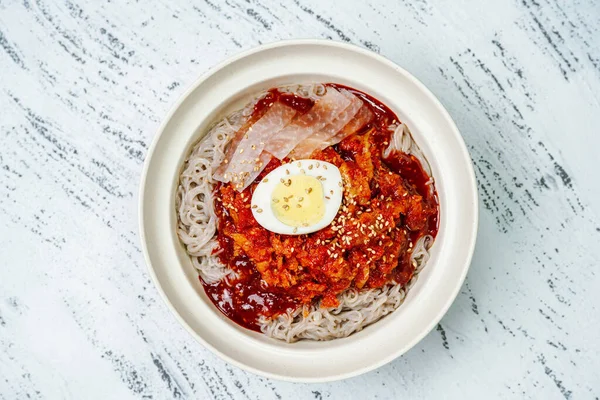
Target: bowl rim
(470, 246)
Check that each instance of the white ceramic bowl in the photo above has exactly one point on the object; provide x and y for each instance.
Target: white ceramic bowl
(229, 86)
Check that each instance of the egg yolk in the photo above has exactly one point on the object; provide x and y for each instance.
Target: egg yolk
(298, 201)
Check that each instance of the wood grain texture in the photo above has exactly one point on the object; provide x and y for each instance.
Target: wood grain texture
(83, 87)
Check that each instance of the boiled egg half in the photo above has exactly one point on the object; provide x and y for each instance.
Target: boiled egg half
(297, 198)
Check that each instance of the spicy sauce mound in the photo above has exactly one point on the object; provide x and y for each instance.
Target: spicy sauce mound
(387, 207)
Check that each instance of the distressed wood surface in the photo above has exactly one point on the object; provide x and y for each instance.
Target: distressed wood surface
(83, 87)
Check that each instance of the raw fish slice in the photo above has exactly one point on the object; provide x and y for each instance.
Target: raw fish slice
(315, 142)
(263, 160)
(362, 118)
(231, 147)
(246, 156)
(325, 110)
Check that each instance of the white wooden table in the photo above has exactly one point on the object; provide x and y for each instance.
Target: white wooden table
(84, 86)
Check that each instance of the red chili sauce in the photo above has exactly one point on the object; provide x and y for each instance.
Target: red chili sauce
(254, 294)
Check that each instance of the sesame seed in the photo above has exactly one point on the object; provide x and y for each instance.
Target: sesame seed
(295, 230)
(259, 210)
(328, 198)
(298, 205)
(340, 184)
(287, 171)
(300, 198)
(324, 166)
(331, 191)
(318, 164)
(286, 207)
(309, 190)
(304, 224)
(299, 164)
(302, 171)
(275, 201)
(253, 147)
(310, 166)
(241, 151)
(292, 250)
(281, 180)
(254, 206)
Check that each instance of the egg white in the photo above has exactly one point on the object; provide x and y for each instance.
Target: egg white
(331, 180)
